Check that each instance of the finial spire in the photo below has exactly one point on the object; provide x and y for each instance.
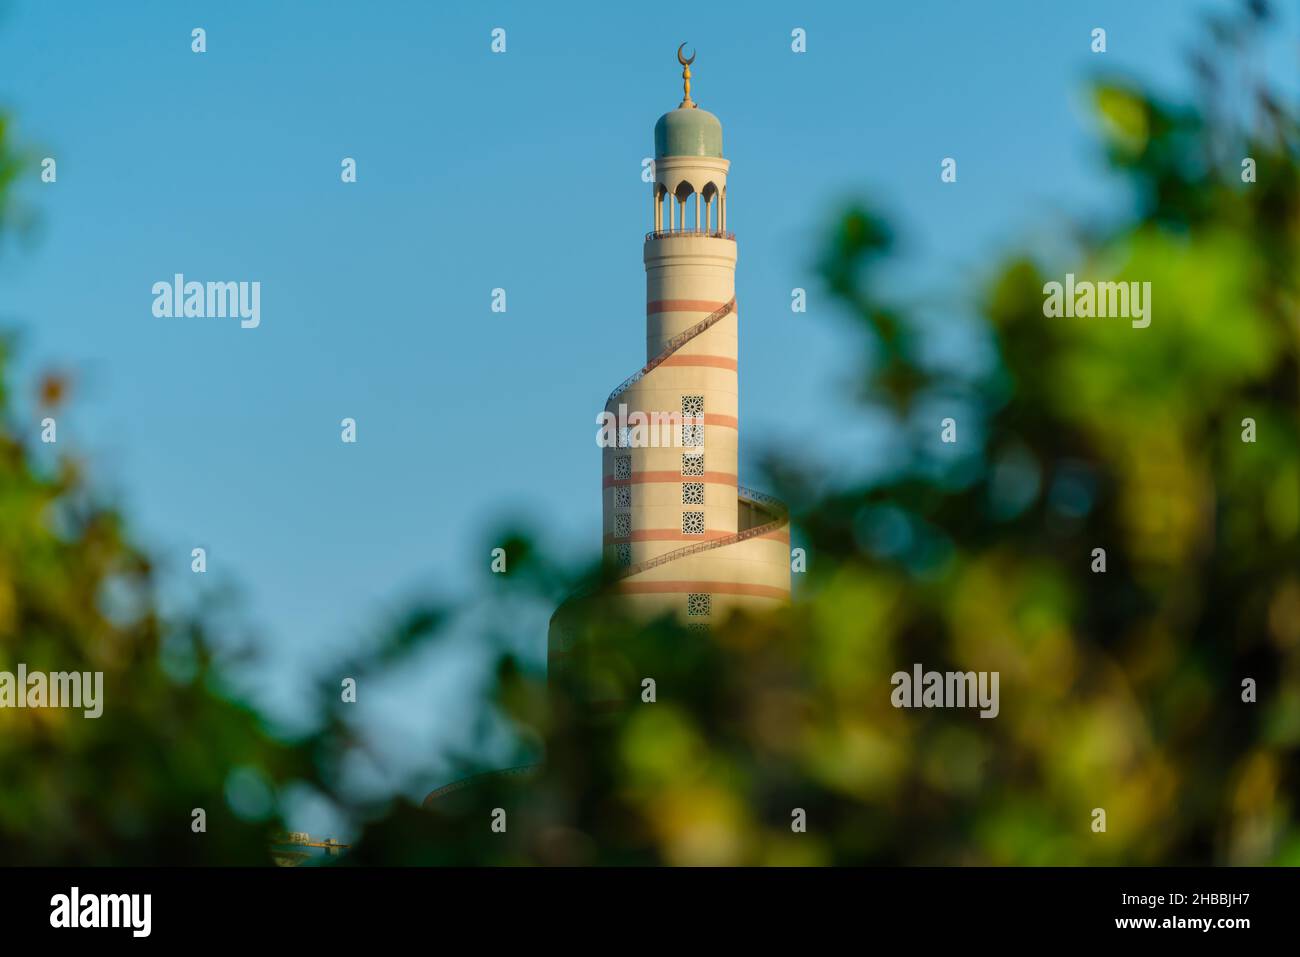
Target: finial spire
(686, 78)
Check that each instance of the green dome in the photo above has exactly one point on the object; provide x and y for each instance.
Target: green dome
(688, 131)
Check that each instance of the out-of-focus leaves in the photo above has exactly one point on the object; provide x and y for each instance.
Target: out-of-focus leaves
(1120, 689)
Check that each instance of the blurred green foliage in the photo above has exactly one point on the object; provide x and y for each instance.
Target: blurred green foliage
(77, 595)
(1119, 690)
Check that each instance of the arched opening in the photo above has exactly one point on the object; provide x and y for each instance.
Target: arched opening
(682, 195)
(709, 194)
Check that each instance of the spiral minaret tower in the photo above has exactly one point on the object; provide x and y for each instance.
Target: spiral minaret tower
(685, 537)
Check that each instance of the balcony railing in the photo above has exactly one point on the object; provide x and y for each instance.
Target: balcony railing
(708, 233)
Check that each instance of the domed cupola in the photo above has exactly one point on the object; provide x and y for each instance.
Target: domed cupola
(688, 131)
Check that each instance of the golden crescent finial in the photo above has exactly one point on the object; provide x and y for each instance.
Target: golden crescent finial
(686, 76)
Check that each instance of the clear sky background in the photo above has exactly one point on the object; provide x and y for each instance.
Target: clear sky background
(520, 170)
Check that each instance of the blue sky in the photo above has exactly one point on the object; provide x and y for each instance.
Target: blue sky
(521, 171)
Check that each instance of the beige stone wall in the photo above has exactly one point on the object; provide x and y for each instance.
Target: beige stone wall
(698, 272)
(693, 276)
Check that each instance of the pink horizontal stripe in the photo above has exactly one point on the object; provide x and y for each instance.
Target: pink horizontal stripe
(709, 478)
(665, 535)
(710, 418)
(682, 305)
(673, 535)
(712, 588)
(716, 362)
